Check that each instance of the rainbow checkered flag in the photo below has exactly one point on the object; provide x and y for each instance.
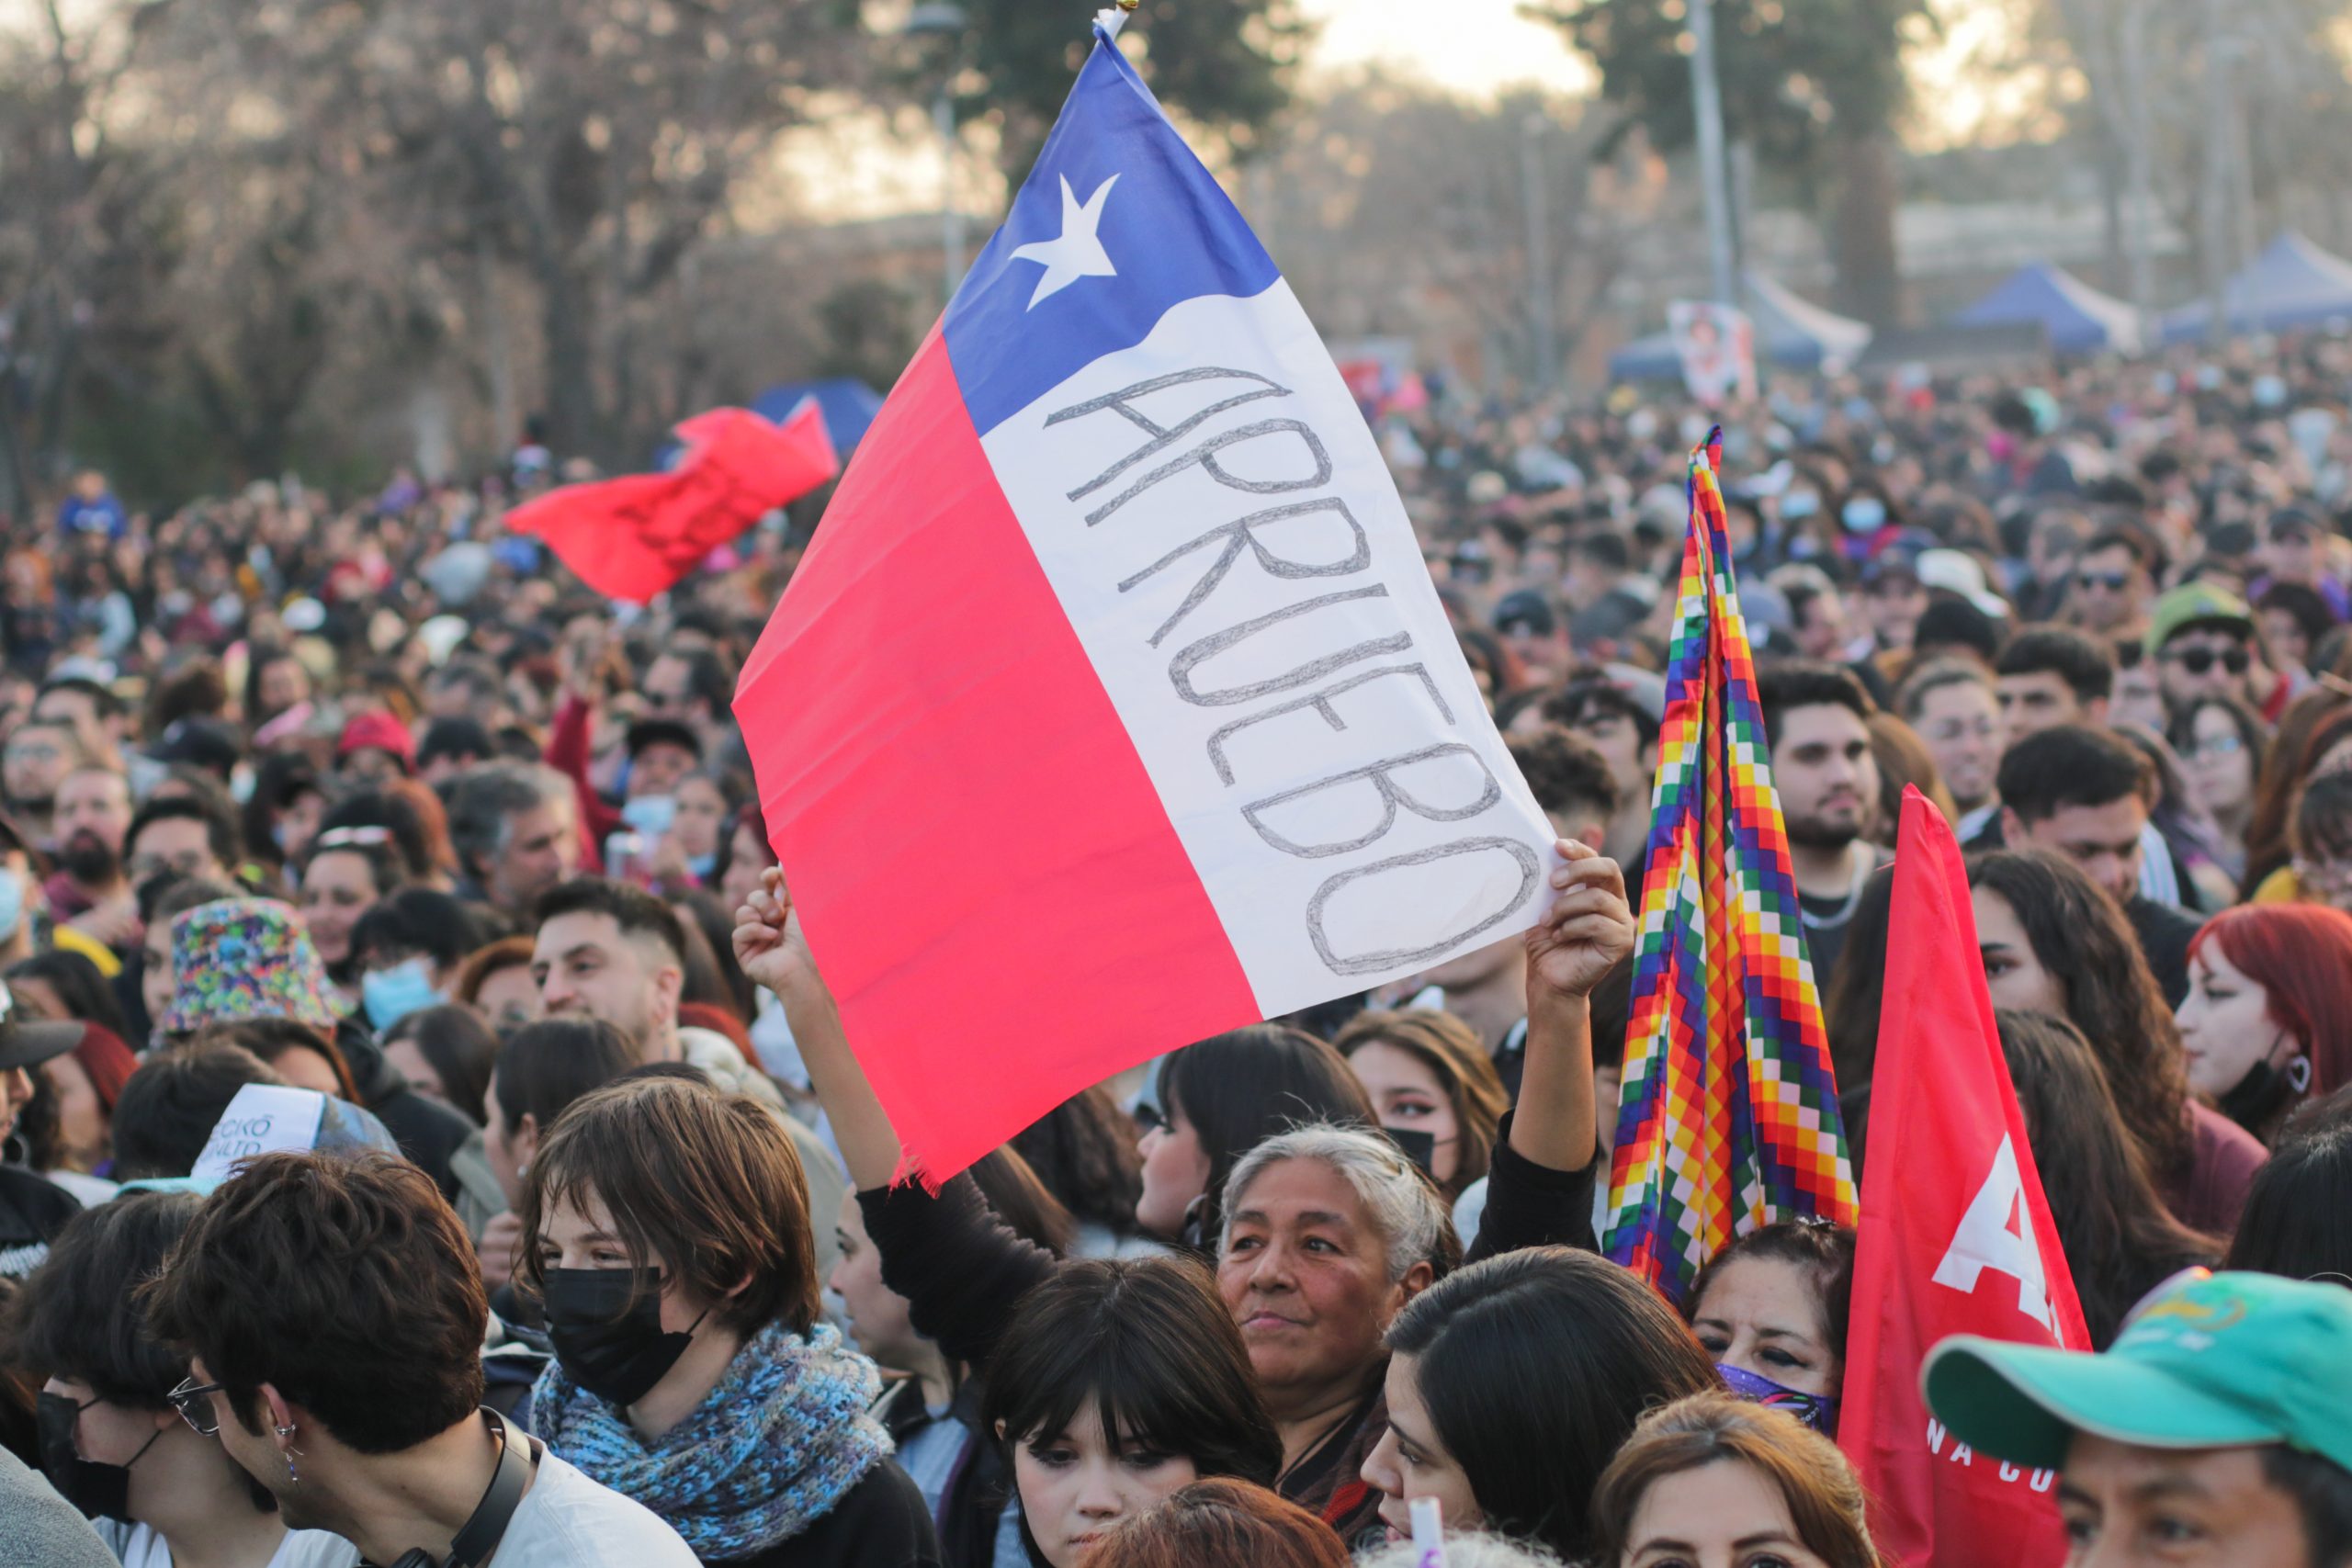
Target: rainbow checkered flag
(1729, 1116)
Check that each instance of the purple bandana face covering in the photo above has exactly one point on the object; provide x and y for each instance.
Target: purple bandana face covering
(1818, 1411)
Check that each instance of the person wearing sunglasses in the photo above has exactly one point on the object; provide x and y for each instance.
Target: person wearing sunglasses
(127, 1435)
(2203, 639)
(2112, 585)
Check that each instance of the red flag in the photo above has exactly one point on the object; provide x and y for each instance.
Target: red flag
(1956, 1236)
(639, 535)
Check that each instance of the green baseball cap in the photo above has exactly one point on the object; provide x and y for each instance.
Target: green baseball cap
(2211, 1361)
(2196, 605)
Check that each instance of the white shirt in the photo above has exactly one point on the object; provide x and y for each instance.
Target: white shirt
(139, 1547)
(566, 1520)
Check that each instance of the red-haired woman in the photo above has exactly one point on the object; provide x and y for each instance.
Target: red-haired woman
(2267, 1020)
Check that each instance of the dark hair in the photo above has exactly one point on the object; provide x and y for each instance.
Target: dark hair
(1240, 1088)
(166, 1110)
(460, 1045)
(2079, 659)
(633, 909)
(78, 985)
(168, 894)
(1565, 770)
(702, 1183)
(543, 1068)
(2297, 1222)
(346, 1282)
(2322, 1492)
(258, 661)
(1601, 1345)
(2120, 1241)
(1853, 1000)
(1826, 1254)
(1581, 699)
(2071, 764)
(2301, 604)
(1823, 1498)
(76, 1319)
(1022, 1201)
(2080, 937)
(2323, 818)
(416, 835)
(283, 778)
(1807, 682)
(1084, 1151)
(706, 677)
(1465, 1074)
(1951, 622)
(219, 824)
(455, 735)
(1222, 1523)
(714, 977)
(271, 1038)
(104, 704)
(2253, 734)
(419, 920)
(1911, 697)
(748, 817)
(1150, 1344)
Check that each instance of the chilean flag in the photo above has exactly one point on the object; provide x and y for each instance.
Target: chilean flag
(1113, 705)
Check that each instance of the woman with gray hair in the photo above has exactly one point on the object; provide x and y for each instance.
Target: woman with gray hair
(1328, 1232)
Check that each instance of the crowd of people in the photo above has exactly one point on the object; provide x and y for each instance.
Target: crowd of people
(595, 1256)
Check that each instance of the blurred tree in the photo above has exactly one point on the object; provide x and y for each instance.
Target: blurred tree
(590, 147)
(1815, 86)
(1224, 65)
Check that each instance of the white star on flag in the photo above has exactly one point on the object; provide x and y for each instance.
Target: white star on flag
(1076, 252)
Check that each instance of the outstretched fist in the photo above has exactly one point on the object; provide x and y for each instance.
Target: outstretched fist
(1588, 927)
(768, 943)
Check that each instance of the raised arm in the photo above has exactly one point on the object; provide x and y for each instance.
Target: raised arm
(774, 954)
(1538, 1191)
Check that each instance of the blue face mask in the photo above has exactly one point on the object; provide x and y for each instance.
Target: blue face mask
(1799, 504)
(699, 867)
(1818, 1411)
(651, 814)
(391, 995)
(12, 904)
(1864, 515)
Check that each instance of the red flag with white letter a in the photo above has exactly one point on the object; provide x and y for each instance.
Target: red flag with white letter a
(1956, 1236)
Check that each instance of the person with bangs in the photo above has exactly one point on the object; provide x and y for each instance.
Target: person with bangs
(1328, 1231)
(1433, 1087)
(667, 1236)
(159, 1489)
(2267, 1020)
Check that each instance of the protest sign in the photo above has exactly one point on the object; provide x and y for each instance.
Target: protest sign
(262, 1119)
(1717, 346)
(1113, 705)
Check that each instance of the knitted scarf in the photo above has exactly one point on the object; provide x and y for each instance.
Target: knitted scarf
(770, 1452)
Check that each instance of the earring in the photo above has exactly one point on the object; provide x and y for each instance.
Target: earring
(522, 1169)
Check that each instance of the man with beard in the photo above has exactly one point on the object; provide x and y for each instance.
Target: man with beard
(334, 1318)
(38, 756)
(93, 812)
(1815, 717)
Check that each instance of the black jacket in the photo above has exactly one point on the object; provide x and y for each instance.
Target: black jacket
(428, 1131)
(881, 1523)
(32, 1210)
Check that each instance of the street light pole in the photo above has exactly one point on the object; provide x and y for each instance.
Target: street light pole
(944, 19)
(1540, 296)
(1707, 100)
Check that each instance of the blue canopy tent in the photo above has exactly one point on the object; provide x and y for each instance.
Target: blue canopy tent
(2291, 284)
(2078, 317)
(849, 406)
(1790, 332)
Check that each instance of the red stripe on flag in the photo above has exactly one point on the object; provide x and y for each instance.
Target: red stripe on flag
(964, 822)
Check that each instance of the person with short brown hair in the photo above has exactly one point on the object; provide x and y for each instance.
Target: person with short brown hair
(1221, 1523)
(1710, 1470)
(333, 1322)
(666, 1231)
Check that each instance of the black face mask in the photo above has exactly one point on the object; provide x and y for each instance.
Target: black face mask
(2257, 1099)
(100, 1491)
(1418, 1143)
(609, 1343)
